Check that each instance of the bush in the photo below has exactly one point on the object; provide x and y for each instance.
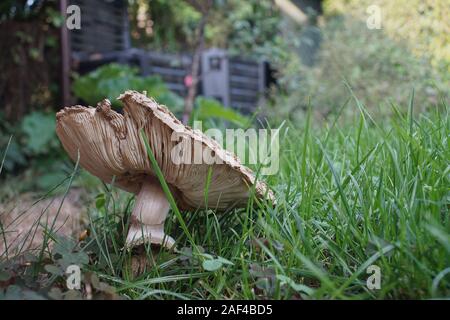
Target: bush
(31, 150)
(110, 80)
(422, 25)
(378, 67)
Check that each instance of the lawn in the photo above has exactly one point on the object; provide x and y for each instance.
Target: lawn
(349, 196)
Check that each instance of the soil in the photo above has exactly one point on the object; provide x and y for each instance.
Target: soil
(25, 219)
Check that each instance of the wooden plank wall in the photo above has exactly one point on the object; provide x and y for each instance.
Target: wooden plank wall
(247, 83)
(104, 27)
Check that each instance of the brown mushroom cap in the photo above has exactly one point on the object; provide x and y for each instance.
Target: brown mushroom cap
(110, 145)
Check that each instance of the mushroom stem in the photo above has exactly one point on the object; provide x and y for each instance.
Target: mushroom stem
(148, 216)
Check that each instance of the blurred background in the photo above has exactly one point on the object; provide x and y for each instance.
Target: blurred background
(224, 62)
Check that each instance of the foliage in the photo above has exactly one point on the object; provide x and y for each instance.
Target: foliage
(422, 25)
(39, 133)
(33, 137)
(377, 68)
(20, 10)
(347, 198)
(32, 277)
(250, 28)
(32, 146)
(209, 109)
(113, 79)
(167, 25)
(350, 194)
(12, 154)
(29, 56)
(110, 80)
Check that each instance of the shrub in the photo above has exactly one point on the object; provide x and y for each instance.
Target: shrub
(377, 66)
(423, 25)
(110, 80)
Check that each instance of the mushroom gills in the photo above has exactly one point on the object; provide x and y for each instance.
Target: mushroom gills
(148, 216)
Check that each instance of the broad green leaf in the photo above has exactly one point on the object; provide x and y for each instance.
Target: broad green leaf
(209, 108)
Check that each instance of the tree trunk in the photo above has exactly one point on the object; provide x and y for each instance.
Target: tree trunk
(192, 90)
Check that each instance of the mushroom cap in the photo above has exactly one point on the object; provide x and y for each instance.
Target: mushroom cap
(110, 147)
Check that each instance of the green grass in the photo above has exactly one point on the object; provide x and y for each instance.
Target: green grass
(348, 196)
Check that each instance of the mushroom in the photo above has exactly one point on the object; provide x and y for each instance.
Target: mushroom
(111, 147)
